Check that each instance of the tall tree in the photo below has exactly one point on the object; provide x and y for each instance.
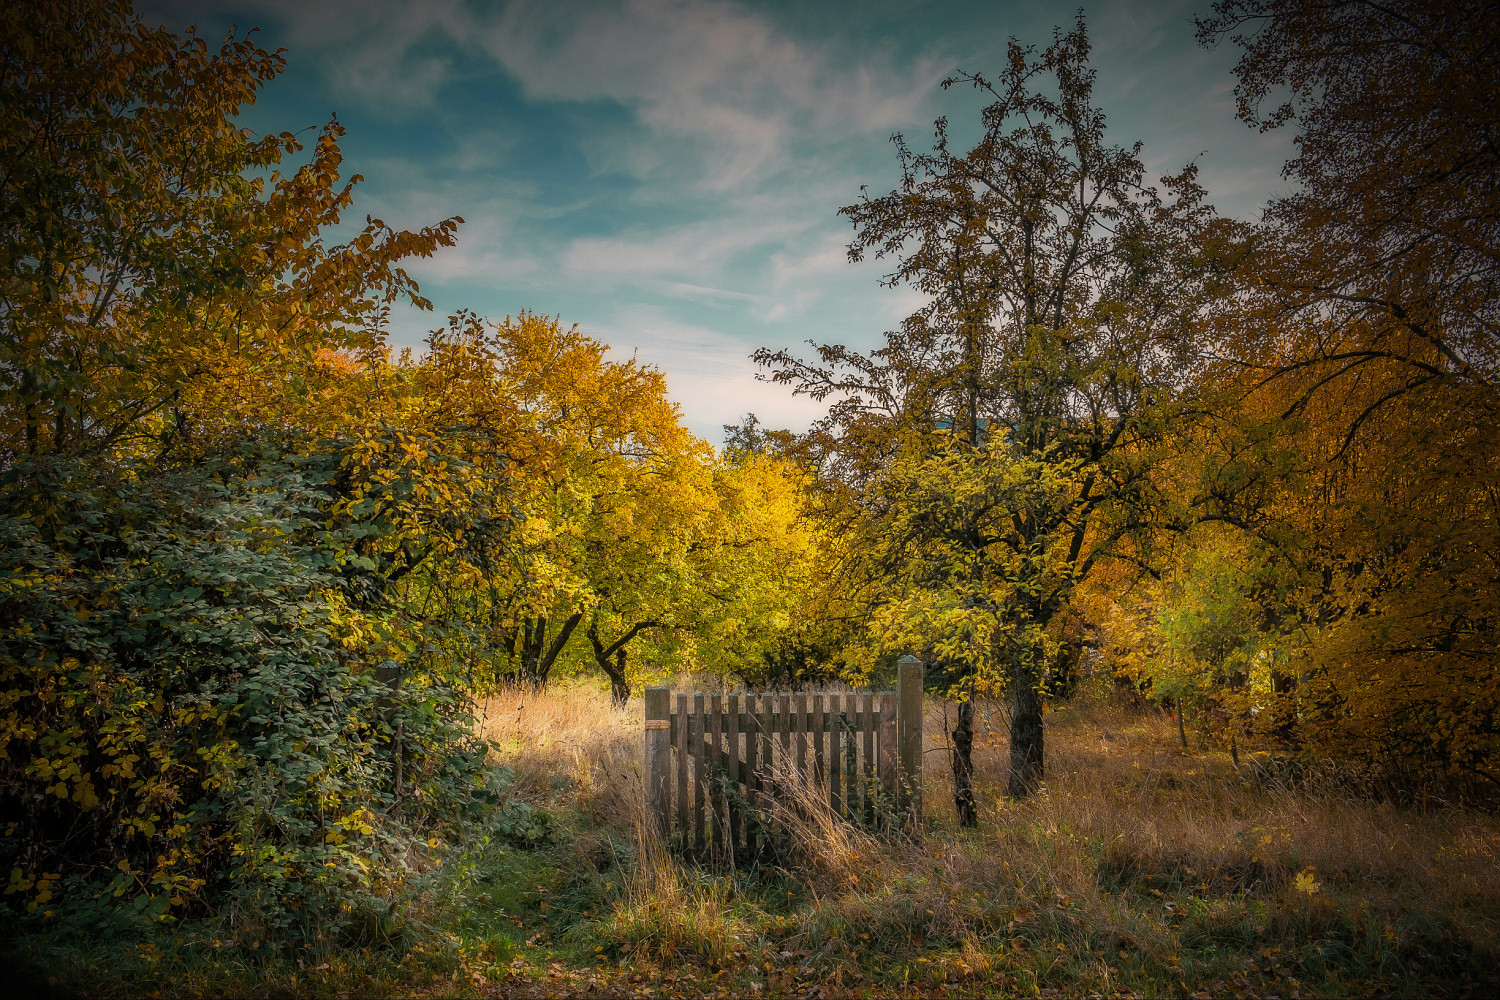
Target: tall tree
(1003, 441)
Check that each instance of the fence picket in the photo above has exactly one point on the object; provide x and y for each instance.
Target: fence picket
(681, 729)
(851, 756)
(835, 762)
(786, 729)
(715, 783)
(886, 739)
(767, 756)
(801, 730)
(867, 730)
(733, 736)
(700, 771)
(817, 737)
(752, 776)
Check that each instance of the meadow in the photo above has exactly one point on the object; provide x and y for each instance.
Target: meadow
(1139, 869)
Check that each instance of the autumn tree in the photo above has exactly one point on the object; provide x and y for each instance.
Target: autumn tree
(1002, 443)
(1364, 327)
(151, 248)
(638, 548)
(215, 690)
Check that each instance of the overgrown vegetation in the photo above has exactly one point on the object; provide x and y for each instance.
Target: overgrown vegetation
(299, 634)
(187, 720)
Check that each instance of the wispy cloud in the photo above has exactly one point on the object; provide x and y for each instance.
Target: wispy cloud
(710, 70)
(696, 251)
(709, 372)
(370, 50)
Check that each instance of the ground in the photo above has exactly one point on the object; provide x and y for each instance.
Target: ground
(1140, 869)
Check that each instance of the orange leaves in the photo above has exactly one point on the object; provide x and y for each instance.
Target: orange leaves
(150, 284)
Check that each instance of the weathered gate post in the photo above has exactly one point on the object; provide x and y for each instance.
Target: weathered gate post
(658, 755)
(909, 737)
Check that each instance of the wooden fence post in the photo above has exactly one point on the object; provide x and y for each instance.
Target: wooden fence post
(909, 735)
(658, 754)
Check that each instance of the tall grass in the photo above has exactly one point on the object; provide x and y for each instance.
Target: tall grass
(1135, 865)
(1137, 869)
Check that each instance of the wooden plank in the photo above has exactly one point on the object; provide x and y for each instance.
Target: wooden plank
(746, 720)
(801, 730)
(700, 771)
(835, 762)
(732, 721)
(868, 732)
(752, 774)
(682, 766)
(658, 755)
(786, 729)
(767, 721)
(785, 700)
(851, 756)
(715, 771)
(909, 736)
(886, 740)
(819, 726)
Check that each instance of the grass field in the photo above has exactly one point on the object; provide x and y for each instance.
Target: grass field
(1140, 869)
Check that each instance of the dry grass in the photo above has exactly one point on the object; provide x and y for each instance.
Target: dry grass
(1137, 865)
(1137, 870)
(570, 748)
(828, 854)
(668, 913)
(1114, 776)
(1195, 820)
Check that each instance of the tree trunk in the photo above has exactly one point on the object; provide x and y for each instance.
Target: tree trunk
(557, 646)
(963, 764)
(537, 657)
(533, 631)
(619, 680)
(1284, 708)
(1025, 731)
(619, 685)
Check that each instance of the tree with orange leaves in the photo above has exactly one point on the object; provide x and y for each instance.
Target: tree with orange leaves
(153, 285)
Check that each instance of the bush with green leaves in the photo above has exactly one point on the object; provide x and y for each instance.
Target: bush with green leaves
(191, 719)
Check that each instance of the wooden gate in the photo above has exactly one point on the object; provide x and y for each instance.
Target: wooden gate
(713, 761)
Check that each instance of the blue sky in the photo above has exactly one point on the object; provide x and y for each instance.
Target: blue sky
(667, 173)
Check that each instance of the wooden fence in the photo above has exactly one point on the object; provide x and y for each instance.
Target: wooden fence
(713, 763)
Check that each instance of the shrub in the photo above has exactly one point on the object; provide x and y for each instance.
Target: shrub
(190, 717)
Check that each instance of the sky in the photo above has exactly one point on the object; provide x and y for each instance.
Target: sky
(667, 173)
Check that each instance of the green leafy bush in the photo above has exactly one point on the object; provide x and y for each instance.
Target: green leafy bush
(192, 718)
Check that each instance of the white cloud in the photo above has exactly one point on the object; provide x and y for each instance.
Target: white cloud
(691, 253)
(799, 279)
(709, 70)
(709, 373)
(366, 46)
(716, 72)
